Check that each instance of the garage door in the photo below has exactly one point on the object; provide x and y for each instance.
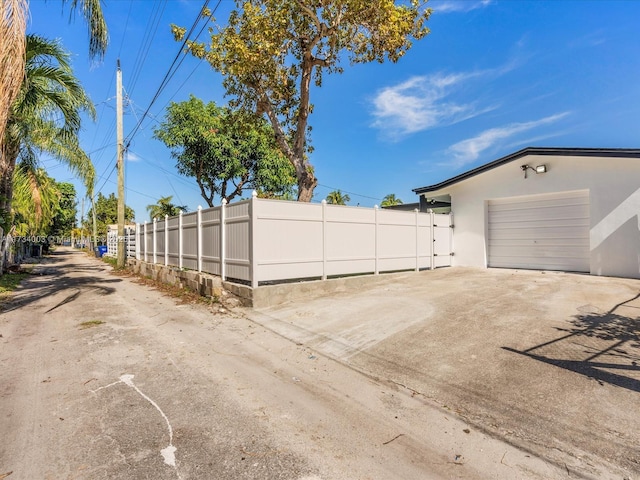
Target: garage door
(541, 232)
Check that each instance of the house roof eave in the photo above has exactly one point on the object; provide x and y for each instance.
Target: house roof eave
(575, 152)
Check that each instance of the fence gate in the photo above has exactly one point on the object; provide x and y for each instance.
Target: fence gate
(442, 239)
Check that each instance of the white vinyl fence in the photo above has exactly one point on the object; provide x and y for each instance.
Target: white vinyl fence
(261, 241)
(129, 239)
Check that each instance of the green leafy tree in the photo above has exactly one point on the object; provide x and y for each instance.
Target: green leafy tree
(165, 207)
(107, 213)
(270, 51)
(390, 201)
(36, 200)
(64, 218)
(338, 198)
(226, 151)
(44, 118)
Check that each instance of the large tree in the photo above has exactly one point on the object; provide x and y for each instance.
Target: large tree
(107, 213)
(64, 218)
(226, 151)
(44, 118)
(271, 50)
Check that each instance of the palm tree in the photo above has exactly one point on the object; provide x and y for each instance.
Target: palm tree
(13, 60)
(36, 197)
(165, 207)
(13, 28)
(45, 117)
(390, 200)
(338, 198)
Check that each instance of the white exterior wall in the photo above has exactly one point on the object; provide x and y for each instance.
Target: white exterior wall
(614, 190)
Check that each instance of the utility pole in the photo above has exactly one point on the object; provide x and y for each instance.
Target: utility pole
(95, 226)
(121, 242)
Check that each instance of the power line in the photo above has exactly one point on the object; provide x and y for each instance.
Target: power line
(204, 25)
(126, 24)
(167, 76)
(150, 32)
(106, 179)
(350, 193)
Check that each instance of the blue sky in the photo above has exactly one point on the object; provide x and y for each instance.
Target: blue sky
(493, 76)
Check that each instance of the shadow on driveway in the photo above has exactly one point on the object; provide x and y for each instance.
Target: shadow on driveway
(599, 346)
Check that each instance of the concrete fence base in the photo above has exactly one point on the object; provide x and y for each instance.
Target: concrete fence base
(203, 283)
(260, 297)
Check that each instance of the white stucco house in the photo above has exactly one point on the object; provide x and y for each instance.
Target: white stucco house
(571, 209)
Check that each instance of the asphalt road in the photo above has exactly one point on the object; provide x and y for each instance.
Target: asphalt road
(103, 378)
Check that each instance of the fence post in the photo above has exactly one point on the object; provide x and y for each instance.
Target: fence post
(375, 246)
(144, 239)
(432, 220)
(417, 240)
(155, 247)
(166, 240)
(137, 241)
(199, 226)
(253, 225)
(180, 240)
(223, 239)
(324, 239)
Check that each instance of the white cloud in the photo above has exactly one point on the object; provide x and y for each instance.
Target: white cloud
(447, 6)
(468, 150)
(132, 157)
(420, 103)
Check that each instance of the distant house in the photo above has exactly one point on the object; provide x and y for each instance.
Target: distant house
(571, 209)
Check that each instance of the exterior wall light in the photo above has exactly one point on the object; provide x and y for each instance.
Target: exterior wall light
(539, 169)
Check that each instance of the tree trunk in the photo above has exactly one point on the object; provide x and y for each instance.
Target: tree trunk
(13, 26)
(306, 184)
(7, 165)
(6, 189)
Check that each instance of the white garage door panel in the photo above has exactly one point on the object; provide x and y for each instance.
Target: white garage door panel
(543, 230)
(559, 214)
(548, 232)
(543, 242)
(503, 213)
(563, 264)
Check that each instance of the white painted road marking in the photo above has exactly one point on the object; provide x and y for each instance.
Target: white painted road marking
(168, 453)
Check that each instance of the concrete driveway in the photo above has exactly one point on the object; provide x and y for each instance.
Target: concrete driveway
(547, 361)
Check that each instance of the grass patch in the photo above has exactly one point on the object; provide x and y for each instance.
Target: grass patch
(110, 260)
(10, 281)
(89, 324)
(113, 261)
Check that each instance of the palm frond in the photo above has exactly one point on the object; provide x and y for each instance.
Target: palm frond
(40, 51)
(44, 118)
(98, 35)
(35, 198)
